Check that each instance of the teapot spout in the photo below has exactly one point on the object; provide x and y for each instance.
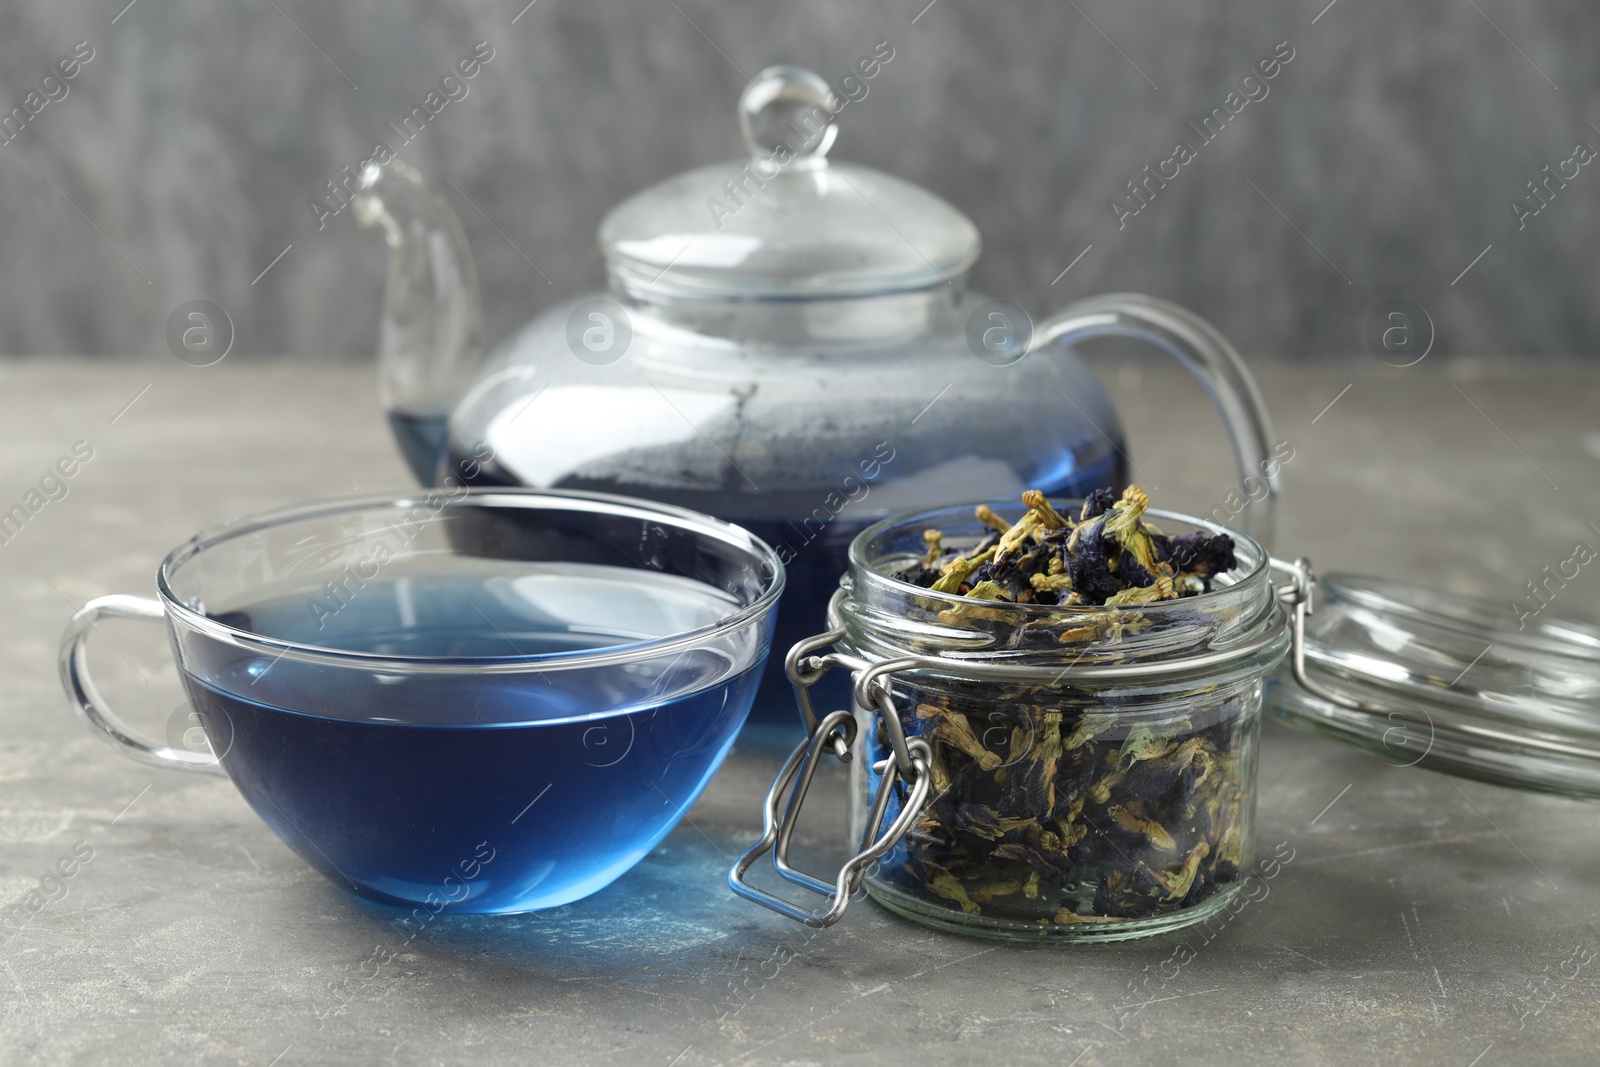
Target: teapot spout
(430, 334)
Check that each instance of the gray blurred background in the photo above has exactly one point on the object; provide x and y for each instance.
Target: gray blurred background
(1384, 158)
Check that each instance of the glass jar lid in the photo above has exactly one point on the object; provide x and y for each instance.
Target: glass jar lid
(1465, 686)
(786, 223)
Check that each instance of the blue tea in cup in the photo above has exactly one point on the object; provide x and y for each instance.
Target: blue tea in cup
(488, 701)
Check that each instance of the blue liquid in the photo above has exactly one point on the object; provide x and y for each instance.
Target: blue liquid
(421, 441)
(523, 792)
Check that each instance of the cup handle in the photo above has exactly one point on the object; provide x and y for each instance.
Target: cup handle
(91, 706)
(1195, 343)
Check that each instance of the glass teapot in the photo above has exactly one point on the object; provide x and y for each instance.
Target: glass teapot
(787, 343)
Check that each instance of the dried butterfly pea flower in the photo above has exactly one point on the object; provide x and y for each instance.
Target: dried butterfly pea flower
(987, 516)
(1160, 589)
(1049, 518)
(1129, 571)
(959, 569)
(1157, 777)
(954, 728)
(1091, 576)
(948, 887)
(1205, 556)
(1096, 503)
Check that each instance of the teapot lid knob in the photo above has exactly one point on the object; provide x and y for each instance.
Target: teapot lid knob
(787, 115)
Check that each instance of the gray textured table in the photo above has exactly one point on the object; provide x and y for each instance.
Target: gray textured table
(1422, 919)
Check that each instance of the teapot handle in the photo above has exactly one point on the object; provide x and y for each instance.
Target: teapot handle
(1195, 343)
(430, 333)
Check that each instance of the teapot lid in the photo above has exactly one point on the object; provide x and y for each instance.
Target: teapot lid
(786, 223)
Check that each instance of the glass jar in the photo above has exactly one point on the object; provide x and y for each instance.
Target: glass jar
(1025, 771)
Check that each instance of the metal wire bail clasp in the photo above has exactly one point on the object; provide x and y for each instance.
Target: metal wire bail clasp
(833, 735)
(1297, 595)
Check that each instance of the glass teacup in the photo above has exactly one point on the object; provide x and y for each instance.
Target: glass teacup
(487, 700)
